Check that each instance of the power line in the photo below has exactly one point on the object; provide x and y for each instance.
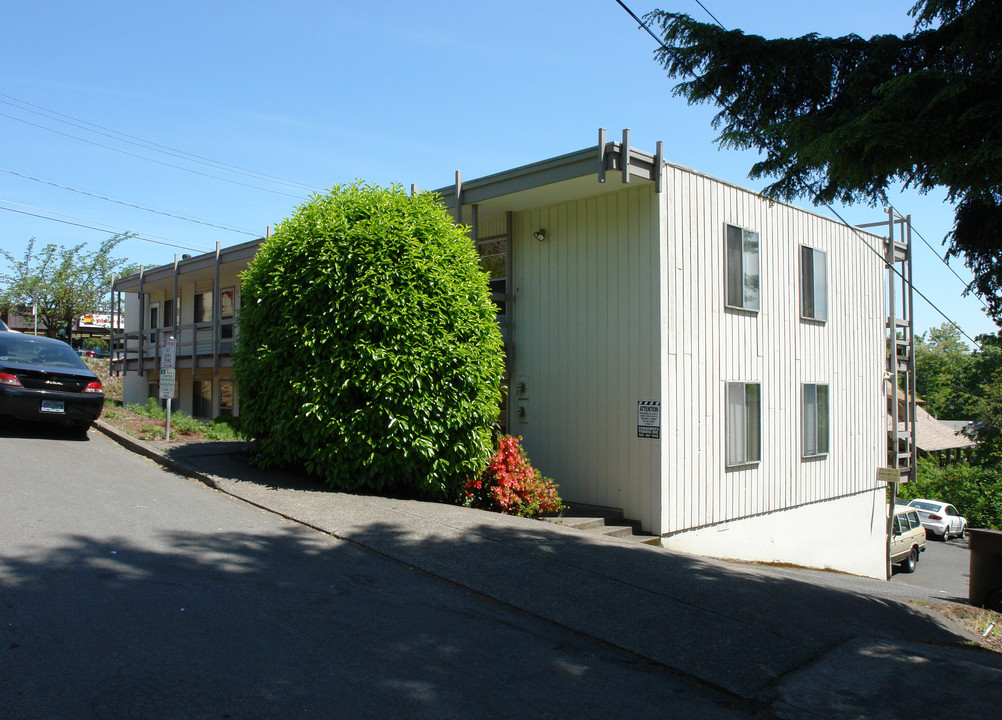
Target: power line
(152, 160)
(146, 144)
(82, 224)
(126, 204)
(737, 117)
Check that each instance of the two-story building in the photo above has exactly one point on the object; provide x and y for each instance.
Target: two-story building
(710, 362)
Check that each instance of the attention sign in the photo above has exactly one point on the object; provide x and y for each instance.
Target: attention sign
(649, 419)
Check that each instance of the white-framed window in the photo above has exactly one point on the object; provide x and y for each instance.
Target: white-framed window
(813, 284)
(744, 423)
(742, 268)
(815, 420)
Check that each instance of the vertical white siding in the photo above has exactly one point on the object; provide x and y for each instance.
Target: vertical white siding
(588, 342)
(708, 345)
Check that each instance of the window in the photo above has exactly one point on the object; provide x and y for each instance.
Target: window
(742, 268)
(201, 398)
(225, 397)
(154, 322)
(813, 284)
(744, 415)
(169, 317)
(203, 307)
(815, 420)
(226, 313)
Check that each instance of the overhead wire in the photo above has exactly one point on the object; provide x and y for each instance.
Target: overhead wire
(737, 117)
(127, 204)
(146, 144)
(85, 225)
(152, 160)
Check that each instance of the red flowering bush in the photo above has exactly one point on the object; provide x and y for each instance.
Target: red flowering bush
(511, 485)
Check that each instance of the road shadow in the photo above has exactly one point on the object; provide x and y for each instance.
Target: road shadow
(16, 428)
(293, 624)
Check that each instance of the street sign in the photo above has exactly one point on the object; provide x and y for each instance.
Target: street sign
(168, 351)
(888, 475)
(167, 384)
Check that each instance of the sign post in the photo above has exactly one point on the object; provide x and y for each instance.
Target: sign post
(168, 352)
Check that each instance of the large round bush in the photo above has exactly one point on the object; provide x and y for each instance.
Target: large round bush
(368, 349)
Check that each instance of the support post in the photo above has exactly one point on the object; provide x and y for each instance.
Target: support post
(601, 155)
(624, 156)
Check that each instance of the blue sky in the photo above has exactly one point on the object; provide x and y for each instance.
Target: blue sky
(251, 107)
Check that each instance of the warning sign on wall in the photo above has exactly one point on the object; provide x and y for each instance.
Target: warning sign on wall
(649, 419)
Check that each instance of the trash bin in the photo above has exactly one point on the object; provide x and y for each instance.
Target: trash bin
(986, 568)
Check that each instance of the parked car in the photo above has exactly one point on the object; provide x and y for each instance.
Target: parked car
(84, 352)
(44, 379)
(939, 518)
(907, 538)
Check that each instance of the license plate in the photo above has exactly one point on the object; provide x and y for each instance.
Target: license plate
(53, 406)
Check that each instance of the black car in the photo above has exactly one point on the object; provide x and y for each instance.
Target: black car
(45, 379)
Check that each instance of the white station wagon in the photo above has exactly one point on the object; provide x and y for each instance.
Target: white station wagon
(907, 538)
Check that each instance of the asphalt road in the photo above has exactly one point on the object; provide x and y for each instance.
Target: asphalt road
(130, 592)
(944, 568)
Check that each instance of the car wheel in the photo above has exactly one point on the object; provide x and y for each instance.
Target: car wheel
(909, 563)
(80, 428)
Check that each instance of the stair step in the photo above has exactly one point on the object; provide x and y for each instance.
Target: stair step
(602, 521)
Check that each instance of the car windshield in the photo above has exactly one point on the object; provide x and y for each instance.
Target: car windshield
(924, 506)
(27, 350)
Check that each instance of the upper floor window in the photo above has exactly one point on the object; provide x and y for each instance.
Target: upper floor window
(813, 284)
(170, 315)
(203, 307)
(742, 278)
(815, 420)
(226, 313)
(154, 318)
(744, 423)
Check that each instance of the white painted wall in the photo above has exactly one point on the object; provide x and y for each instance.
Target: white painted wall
(854, 541)
(587, 334)
(708, 345)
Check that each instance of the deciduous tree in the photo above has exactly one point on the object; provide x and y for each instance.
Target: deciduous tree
(64, 283)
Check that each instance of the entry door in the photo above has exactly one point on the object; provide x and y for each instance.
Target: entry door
(495, 257)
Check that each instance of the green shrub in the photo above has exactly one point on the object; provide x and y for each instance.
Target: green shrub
(151, 432)
(368, 350)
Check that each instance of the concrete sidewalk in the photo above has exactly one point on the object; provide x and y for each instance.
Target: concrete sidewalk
(803, 645)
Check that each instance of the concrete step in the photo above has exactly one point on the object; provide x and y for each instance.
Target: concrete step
(603, 521)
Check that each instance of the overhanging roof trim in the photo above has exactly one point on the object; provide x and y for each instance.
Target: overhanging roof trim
(546, 172)
(233, 253)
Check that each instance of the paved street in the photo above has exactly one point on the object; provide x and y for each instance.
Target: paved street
(944, 568)
(127, 591)
(130, 592)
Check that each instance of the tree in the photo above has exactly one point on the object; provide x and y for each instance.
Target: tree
(841, 119)
(369, 352)
(64, 282)
(941, 359)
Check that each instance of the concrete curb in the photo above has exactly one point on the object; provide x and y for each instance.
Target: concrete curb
(153, 453)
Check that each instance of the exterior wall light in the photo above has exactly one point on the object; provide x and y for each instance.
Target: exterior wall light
(540, 234)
